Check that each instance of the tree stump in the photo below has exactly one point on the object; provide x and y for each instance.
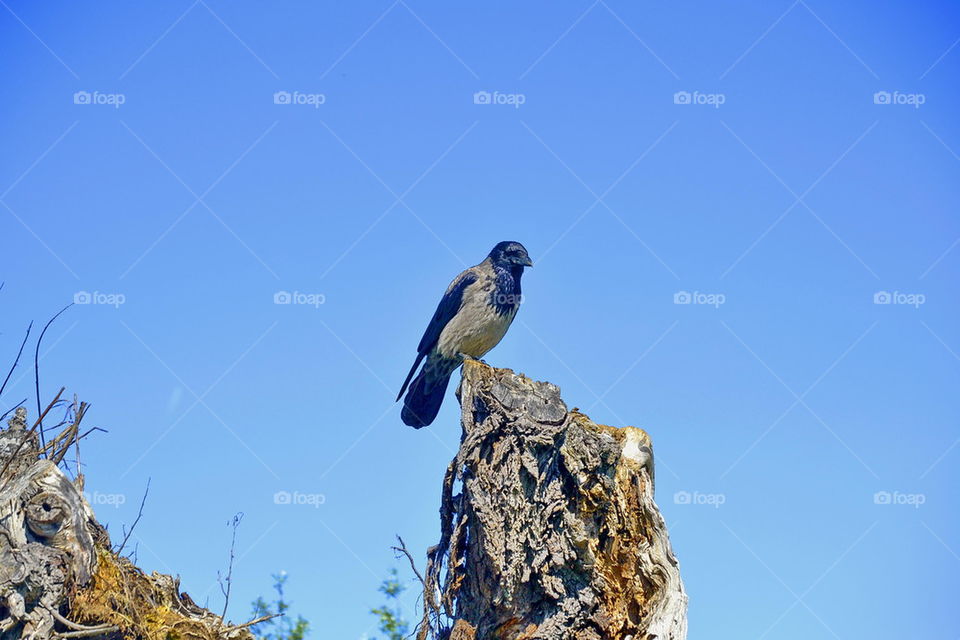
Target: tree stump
(60, 577)
(549, 529)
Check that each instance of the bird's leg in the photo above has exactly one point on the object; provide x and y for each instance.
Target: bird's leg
(465, 357)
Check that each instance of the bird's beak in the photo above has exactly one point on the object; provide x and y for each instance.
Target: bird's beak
(527, 262)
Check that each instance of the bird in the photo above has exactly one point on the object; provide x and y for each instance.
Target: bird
(473, 316)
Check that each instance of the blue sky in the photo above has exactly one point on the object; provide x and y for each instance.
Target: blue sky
(789, 169)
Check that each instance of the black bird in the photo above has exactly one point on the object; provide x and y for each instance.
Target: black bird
(472, 317)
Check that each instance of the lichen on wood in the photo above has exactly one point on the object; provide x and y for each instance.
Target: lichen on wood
(549, 528)
(59, 575)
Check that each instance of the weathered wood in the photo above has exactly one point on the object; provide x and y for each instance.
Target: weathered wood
(549, 528)
(59, 577)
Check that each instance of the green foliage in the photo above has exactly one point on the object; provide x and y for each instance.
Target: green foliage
(283, 627)
(391, 620)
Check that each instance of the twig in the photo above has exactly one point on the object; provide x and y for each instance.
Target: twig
(50, 406)
(80, 630)
(78, 479)
(26, 436)
(229, 579)
(139, 514)
(17, 361)
(36, 367)
(403, 549)
(91, 430)
(252, 622)
(429, 604)
(59, 446)
(74, 625)
(96, 631)
(13, 408)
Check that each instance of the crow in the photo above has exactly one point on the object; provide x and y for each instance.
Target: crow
(472, 317)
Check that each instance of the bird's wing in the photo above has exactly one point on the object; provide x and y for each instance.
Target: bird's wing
(448, 307)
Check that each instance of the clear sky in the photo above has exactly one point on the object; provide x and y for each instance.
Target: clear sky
(777, 165)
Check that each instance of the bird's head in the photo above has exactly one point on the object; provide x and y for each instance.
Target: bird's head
(509, 254)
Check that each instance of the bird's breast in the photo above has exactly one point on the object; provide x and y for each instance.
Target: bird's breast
(477, 327)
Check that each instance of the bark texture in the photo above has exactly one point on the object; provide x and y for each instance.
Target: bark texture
(59, 577)
(549, 529)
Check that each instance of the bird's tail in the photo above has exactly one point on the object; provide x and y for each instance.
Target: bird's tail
(416, 363)
(425, 396)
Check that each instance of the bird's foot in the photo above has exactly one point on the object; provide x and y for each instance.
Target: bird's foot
(465, 357)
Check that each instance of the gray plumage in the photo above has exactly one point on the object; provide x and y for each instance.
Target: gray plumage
(473, 315)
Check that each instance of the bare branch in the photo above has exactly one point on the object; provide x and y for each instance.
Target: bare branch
(429, 602)
(96, 631)
(79, 627)
(17, 361)
(139, 515)
(26, 437)
(13, 408)
(36, 366)
(225, 590)
(253, 622)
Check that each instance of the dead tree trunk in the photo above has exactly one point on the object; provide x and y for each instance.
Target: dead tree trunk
(59, 576)
(549, 528)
